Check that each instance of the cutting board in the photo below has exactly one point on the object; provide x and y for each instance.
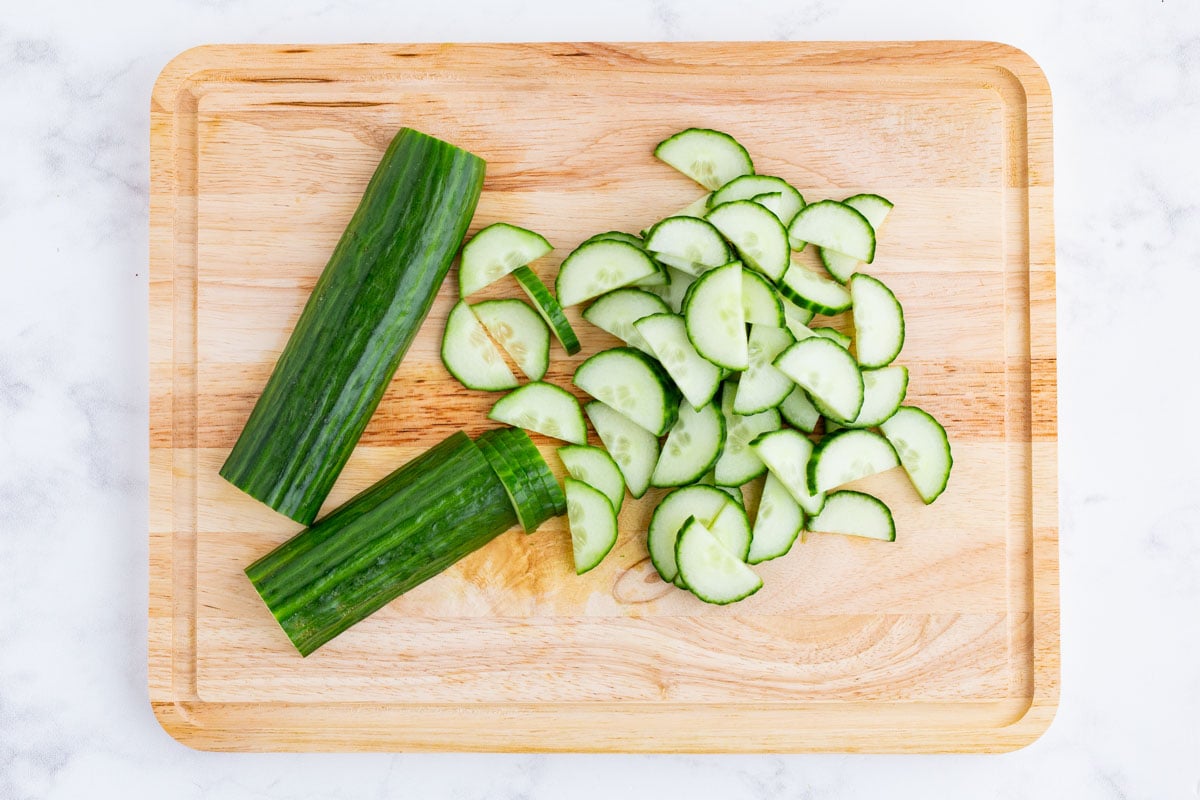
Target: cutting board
(946, 640)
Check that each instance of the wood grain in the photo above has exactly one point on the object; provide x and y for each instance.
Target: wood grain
(946, 640)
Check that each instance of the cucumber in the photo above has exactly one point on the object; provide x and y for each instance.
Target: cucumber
(697, 378)
(762, 386)
(883, 392)
(542, 408)
(750, 187)
(688, 238)
(549, 308)
(680, 264)
(787, 454)
(592, 522)
(731, 526)
(761, 303)
(840, 339)
(796, 319)
(520, 470)
(702, 502)
(833, 226)
(827, 372)
(596, 468)
(496, 251)
(923, 448)
(470, 356)
(847, 456)
(739, 463)
(598, 267)
(397, 534)
(692, 446)
(696, 208)
(855, 514)
(716, 323)
(616, 312)
(809, 290)
(660, 277)
(525, 453)
(633, 384)
(710, 571)
(633, 448)
(777, 525)
(799, 411)
(674, 293)
(875, 209)
(771, 201)
(358, 323)
(710, 158)
(620, 236)
(878, 322)
(522, 333)
(735, 492)
(758, 236)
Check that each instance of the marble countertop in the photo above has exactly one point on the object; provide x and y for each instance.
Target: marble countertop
(75, 81)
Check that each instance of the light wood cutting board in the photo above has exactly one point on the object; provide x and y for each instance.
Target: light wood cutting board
(946, 640)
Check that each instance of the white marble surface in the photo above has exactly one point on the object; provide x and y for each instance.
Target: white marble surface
(74, 87)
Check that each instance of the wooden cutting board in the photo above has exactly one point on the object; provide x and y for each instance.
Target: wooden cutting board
(946, 640)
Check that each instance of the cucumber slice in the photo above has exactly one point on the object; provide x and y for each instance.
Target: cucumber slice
(704, 503)
(549, 308)
(710, 158)
(738, 463)
(619, 236)
(526, 455)
(709, 570)
(878, 322)
(833, 335)
(847, 456)
(787, 454)
(593, 524)
(758, 236)
(692, 268)
(691, 239)
(827, 372)
(883, 392)
(833, 226)
(674, 293)
(731, 526)
(855, 514)
(761, 385)
(799, 411)
(526, 496)
(632, 384)
(496, 251)
(697, 378)
(692, 446)
(633, 448)
(875, 209)
(716, 323)
(923, 448)
(596, 468)
(752, 187)
(809, 290)
(469, 354)
(616, 312)
(777, 525)
(771, 201)
(796, 319)
(522, 333)
(659, 278)
(735, 492)
(761, 303)
(542, 408)
(598, 267)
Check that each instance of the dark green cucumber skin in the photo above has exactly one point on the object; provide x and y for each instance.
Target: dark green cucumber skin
(516, 448)
(525, 488)
(400, 532)
(359, 321)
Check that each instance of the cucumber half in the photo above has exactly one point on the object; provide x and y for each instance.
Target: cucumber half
(470, 356)
(592, 522)
(710, 571)
(706, 503)
(710, 158)
(496, 251)
(633, 384)
(878, 321)
(778, 523)
(542, 408)
(692, 446)
(875, 209)
(716, 322)
(596, 468)
(834, 226)
(847, 456)
(520, 330)
(827, 372)
(633, 448)
(923, 448)
(855, 514)
(598, 267)
(697, 378)
(617, 311)
(758, 236)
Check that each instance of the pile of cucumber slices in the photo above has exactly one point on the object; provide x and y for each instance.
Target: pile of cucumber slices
(723, 377)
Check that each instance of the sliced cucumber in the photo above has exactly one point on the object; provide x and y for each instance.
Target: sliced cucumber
(855, 514)
(524, 490)
(710, 479)
(739, 463)
(833, 335)
(696, 208)
(692, 446)
(778, 523)
(522, 333)
(633, 448)
(666, 334)
(710, 158)
(827, 372)
(758, 236)
(598, 267)
(616, 312)
(883, 392)
(469, 354)
(699, 501)
(542, 408)
(878, 322)
(659, 278)
(796, 319)
(787, 454)
(678, 263)
(750, 187)
(633, 384)
(619, 236)
(761, 303)
(923, 448)
(809, 290)
(799, 411)
(521, 451)
(847, 456)
(496, 251)
(691, 239)
(833, 226)
(875, 209)
(731, 526)
(593, 524)
(596, 468)
(771, 201)
(549, 308)
(674, 293)
(710, 571)
(716, 322)
(762, 386)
